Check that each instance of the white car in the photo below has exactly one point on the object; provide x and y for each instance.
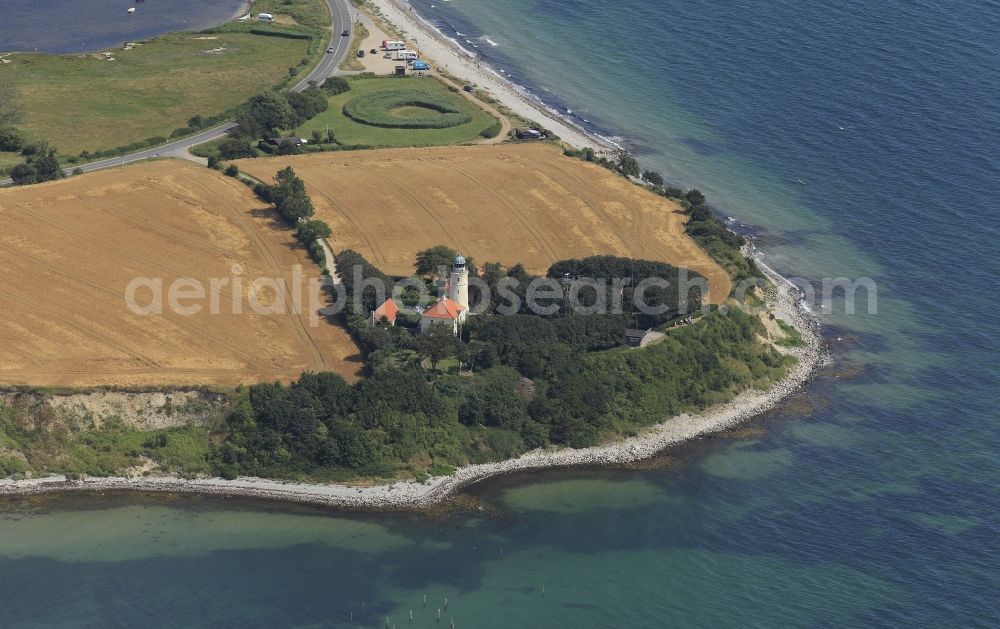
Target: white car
(330, 50)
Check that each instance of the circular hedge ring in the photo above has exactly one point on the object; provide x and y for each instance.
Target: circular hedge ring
(375, 109)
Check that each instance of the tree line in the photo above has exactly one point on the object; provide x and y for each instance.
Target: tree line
(527, 381)
(288, 196)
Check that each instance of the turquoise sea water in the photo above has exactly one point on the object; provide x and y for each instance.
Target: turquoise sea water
(871, 498)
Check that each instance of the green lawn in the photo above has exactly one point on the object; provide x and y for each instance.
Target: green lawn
(305, 12)
(84, 102)
(8, 161)
(350, 133)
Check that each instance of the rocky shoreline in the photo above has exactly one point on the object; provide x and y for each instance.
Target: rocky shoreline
(411, 495)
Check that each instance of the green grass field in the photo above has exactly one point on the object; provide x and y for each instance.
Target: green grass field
(351, 133)
(8, 161)
(88, 103)
(304, 12)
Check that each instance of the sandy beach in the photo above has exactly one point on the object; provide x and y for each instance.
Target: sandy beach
(447, 55)
(411, 495)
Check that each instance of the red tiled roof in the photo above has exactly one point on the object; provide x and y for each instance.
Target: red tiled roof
(444, 309)
(389, 310)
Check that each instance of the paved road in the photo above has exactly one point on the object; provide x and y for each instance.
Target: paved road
(342, 15)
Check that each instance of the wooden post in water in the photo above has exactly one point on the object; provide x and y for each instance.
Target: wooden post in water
(446, 603)
(543, 589)
(439, 614)
(425, 600)
(411, 615)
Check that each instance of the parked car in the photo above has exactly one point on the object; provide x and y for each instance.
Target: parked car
(374, 51)
(387, 55)
(361, 53)
(469, 88)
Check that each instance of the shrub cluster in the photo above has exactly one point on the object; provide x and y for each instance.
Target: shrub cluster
(491, 131)
(714, 237)
(374, 109)
(40, 164)
(336, 85)
(266, 113)
(11, 140)
(288, 195)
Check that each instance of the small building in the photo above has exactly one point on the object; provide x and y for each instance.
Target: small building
(524, 133)
(421, 65)
(400, 71)
(388, 312)
(294, 141)
(642, 338)
(444, 312)
(265, 17)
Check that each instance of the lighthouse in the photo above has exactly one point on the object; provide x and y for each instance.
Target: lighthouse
(458, 285)
(453, 307)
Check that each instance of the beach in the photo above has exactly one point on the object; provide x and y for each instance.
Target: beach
(449, 56)
(411, 495)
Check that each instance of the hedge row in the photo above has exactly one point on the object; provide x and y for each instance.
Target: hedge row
(373, 110)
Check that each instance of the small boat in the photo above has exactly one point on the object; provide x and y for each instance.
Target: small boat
(801, 183)
(132, 10)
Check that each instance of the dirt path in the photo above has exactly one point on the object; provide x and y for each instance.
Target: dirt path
(505, 125)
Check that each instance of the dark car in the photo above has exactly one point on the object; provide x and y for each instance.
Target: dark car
(373, 51)
(469, 88)
(346, 33)
(361, 53)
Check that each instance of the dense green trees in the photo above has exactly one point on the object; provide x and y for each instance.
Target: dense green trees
(577, 394)
(307, 103)
(529, 380)
(656, 285)
(10, 140)
(627, 165)
(236, 148)
(713, 236)
(265, 114)
(40, 164)
(436, 344)
(309, 230)
(336, 85)
(288, 194)
(653, 178)
(351, 265)
(430, 260)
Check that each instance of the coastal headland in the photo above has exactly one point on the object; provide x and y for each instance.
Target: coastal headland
(419, 494)
(413, 495)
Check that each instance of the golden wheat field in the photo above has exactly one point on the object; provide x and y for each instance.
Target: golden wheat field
(512, 203)
(70, 249)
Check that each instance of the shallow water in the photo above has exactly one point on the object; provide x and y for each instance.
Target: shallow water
(872, 498)
(66, 26)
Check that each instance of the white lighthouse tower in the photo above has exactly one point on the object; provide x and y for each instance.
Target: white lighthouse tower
(458, 286)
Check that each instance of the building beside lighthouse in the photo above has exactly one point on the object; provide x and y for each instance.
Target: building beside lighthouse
(453, 307)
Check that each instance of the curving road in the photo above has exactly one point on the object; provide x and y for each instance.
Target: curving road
(342, 18)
